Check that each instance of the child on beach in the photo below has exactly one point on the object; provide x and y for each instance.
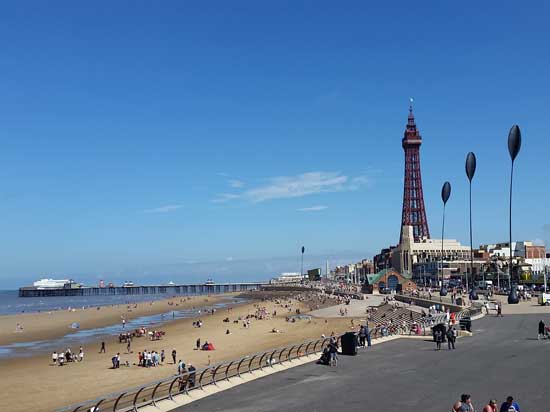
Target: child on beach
(54, 358)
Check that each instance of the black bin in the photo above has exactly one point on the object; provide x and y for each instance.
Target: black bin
(349, 343)
(466, 323)
(442, 328)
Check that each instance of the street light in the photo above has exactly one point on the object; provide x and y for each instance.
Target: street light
(470, 172)
(445, 194)
(514, 144)
(302, 272)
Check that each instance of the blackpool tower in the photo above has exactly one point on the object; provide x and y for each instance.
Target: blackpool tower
(414, 213)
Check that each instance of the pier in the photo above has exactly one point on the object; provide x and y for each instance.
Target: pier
(191, 289)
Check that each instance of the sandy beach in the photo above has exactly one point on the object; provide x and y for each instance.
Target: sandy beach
(56, 324)
(34, 384)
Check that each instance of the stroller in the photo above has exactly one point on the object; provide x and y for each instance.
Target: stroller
(325, 357)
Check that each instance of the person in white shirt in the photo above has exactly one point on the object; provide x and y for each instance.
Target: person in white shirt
(81, 354)
(54, 358)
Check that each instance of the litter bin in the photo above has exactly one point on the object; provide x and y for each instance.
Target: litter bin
(466, 323)
(442, 328)
(349, 343)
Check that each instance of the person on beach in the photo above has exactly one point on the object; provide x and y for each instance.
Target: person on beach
(128, 346)
(174, 353)
(162, 356)
(123, 323)
(198, 344)
(81, 354)
(102, 350)
(61, 359)
(54, 358)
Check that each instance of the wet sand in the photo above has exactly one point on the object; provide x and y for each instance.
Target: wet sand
(56, 324)
(33, 384)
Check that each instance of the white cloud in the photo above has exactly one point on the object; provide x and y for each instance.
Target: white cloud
(226, 197)
(312, 209)
(285, 187)
(164, 209)
(237, 184)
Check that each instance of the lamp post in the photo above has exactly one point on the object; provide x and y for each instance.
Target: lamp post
(470, 172)
(302, 271)
(445, 194)
(514, 144)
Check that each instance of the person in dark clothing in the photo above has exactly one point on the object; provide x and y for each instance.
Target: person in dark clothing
(510, 405)
(451, 337)
(102, 350)
(362, 336)
(367, 334)
(541, 330)
(174, 353)
(191, 369)
(333, 350)
(198, 344)
(438, 339)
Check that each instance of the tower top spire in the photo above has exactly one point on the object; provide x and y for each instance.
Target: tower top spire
(411, 114)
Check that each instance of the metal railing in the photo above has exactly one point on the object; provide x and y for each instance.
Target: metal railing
(153, 392)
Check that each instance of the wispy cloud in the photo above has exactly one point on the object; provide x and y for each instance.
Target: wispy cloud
(164, 209)
(285, 187)
(312, 209)
(234, 183)
(225, 197)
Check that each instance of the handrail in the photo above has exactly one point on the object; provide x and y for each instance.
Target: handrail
(203, 377)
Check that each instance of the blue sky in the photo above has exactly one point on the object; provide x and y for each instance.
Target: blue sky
(178, 141)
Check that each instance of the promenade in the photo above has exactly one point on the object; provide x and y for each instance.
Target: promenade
(502, 358)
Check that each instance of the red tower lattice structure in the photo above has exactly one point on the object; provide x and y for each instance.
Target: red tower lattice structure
(414, 213)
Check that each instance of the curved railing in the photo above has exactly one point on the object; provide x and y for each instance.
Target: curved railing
(153, 392)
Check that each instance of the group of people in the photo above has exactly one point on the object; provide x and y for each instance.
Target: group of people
(451, 334)
(465, 405)
(68, 356)
(149, 359)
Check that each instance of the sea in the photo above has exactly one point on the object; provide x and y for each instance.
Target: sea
(11, 303)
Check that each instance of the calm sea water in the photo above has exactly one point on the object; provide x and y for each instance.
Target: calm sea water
(11, 303)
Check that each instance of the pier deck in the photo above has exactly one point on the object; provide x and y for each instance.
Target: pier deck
(190, 289)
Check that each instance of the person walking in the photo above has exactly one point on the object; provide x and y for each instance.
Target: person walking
(510, 405)
(367, 334)
(128, 346)
(362, 336)
(162, 356)
(491, 406)
(541, 330)
(451, 337)
(174, 353)
(464, 404)
(438, 339)
(102, 350)
(499, 309)
(333, 350)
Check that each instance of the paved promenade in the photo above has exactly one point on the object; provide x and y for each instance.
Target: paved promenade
(502, 358)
